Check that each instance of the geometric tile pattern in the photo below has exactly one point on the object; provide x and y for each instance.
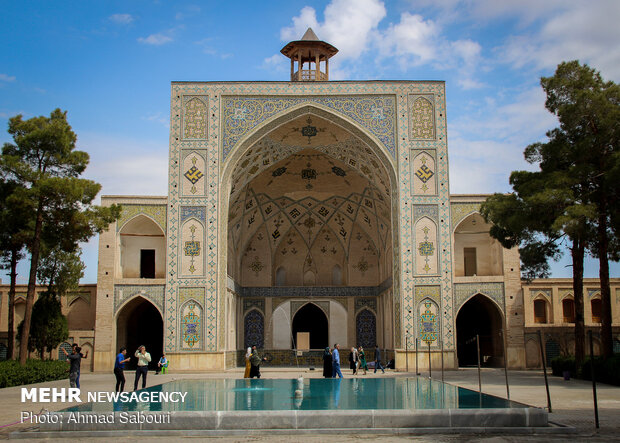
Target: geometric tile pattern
(463, 291)
(428, 328)
(191, 325)
(242, 114)
(401, 147)
(156, 212)
(462, 210)
(365, 303)
(366, 329)
(253, 329)
(195, 118)
(422, 117)
(153, 293)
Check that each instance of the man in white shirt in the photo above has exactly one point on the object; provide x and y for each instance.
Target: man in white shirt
(144, 358)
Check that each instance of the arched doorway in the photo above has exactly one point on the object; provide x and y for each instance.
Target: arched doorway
(310, 318)
(140, 323)
(479, 316)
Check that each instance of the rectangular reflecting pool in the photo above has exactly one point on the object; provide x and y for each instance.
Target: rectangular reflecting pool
(310, 394)
(313, 406)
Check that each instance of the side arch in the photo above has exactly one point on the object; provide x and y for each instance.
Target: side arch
(253, 329)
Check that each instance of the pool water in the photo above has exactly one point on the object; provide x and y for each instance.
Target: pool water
(312, 394)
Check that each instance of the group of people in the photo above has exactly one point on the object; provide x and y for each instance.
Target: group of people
(357, 361)
(142, 368)
(252, 363)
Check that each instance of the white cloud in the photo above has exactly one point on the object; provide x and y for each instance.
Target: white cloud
(580, 30)
(156, 39)
(122, 19)
(7, 78)
(487, 144)
(158, 118)
(126, 166)
(413, 40)
(348, 25)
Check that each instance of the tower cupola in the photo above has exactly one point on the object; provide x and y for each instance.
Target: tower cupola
(308, 56)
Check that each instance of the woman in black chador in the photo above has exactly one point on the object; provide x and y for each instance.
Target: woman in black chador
(327, 363)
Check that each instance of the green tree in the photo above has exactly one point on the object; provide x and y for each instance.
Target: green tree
(45, 164)
(52, 328)
(12, 243)
(588, 109)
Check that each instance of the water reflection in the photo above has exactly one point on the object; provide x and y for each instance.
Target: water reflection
(309, 394)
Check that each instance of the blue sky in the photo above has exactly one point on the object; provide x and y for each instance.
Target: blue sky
(110, 64)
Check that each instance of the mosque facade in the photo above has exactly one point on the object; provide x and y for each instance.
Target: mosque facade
(310, 212)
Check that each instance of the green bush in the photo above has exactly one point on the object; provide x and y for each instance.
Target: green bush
(561, 364)
(35, 371)
(605, 370)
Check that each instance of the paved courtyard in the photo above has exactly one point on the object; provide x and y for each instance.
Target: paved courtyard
(571, 404)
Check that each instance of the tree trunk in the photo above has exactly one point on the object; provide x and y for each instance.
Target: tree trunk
(32, 282)
(607, 348)
(11, 306)
(577, 252)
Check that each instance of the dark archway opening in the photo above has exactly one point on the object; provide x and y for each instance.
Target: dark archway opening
(140, 323)
(479, 316)
(310, 318)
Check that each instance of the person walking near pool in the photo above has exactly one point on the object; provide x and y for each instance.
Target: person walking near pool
(255, 361)
(378, 360)
(119, 369)
(362, 359)
(74, 359)
(336, 361)
(353, 360)
(327, 363)
(144, 358)
(248, 365)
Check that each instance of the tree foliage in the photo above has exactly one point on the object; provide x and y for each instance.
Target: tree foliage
(575, 191)
(46, 166)
(52, 328)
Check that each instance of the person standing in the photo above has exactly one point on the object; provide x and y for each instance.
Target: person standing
(327, 363)
(378, 360)
(75, 359)
(353, 360)
(119, 369)
(144, 358)
(336, 361)
(255, 361)
(77, 381)
(248, 365)
(362, 359)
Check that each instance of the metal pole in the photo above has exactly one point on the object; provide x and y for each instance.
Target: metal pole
(592, 373)
(417, 372)
(505, 363)
(407, 350)
(442, 361)
(430, 366)
(479, 379)
(542, 356)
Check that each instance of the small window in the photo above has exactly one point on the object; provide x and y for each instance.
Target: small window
(469, 255)
(596, 310)
(336, 275)
(568, 310)
(281, 276)
(540, 311)
(147, 263)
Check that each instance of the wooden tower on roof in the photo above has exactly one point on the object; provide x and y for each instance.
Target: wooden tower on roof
(310, 54)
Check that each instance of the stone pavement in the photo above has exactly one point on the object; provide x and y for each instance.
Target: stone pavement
(571, 404)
